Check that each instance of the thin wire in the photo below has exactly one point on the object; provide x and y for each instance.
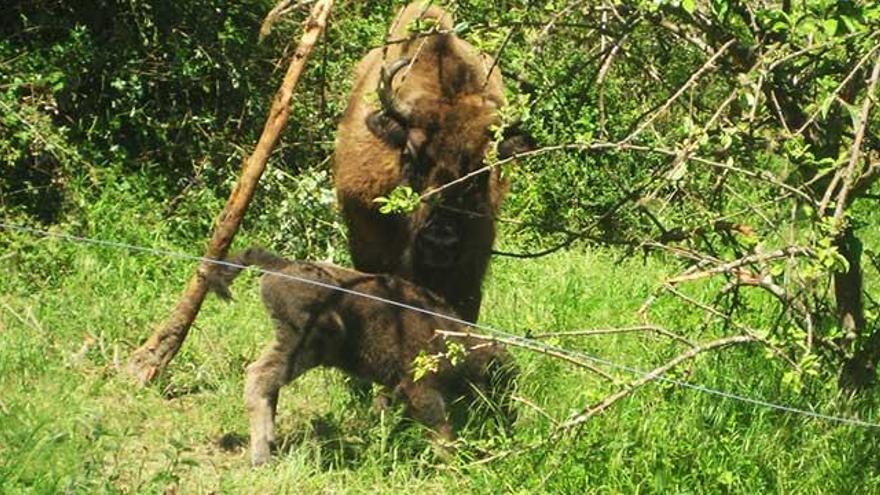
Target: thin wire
(492, 330)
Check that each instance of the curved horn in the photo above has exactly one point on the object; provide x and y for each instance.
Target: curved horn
(386, 98)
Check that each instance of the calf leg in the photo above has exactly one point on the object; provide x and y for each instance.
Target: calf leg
(265, 377)
(275, 368)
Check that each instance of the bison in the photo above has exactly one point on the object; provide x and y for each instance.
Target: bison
(438, 101)
(317, 324)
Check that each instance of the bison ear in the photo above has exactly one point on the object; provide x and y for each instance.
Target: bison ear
(386, 128)
(515, 141)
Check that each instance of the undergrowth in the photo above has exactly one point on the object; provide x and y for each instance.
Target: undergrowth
(71, 422)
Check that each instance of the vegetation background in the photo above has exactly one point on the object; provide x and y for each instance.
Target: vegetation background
(128, 121)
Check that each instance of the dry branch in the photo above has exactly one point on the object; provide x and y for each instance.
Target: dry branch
(612, 331)
(622, 146)
(525, 344)
(278, 11)
(691, 80)
(751, 332)
(154, 355)
(654, 374)
(535, 408)
(732, 266)
(848, 175)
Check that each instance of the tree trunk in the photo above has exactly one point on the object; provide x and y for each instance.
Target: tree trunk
(154, 355)
(859, 371)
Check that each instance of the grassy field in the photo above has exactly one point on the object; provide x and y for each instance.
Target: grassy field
(70, 422)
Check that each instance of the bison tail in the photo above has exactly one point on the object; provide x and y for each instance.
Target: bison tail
(221, 276)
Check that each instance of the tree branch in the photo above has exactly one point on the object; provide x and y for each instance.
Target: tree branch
(525, 344)
(654, 374)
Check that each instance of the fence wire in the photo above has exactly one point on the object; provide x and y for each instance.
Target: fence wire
(526, 342)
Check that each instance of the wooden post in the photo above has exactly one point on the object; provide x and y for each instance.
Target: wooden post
(148, 361)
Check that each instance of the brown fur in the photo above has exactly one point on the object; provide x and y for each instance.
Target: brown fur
(450, 106)
(368, 339)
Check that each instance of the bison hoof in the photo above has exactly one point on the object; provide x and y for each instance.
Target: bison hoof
(259, 457)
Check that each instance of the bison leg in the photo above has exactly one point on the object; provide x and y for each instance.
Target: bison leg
(265, 377)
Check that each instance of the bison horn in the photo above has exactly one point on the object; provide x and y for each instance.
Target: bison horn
(389, 105)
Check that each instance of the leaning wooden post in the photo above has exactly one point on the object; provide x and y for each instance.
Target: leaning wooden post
(154, 355)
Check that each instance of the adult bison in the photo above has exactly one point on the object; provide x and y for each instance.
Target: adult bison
(438, 97)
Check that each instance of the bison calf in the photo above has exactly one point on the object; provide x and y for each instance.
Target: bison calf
(317, 325)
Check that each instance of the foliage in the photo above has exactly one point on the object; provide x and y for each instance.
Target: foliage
(401, 200)
(709, 166)
(174, 92)
(70, 422)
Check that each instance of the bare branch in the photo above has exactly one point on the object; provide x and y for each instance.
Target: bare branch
(654, 374)
(848, 177)
(525, 344)
(611, 331)
(743, 328)
(691, 80)
(603, 146)
(146, 362)
(498, 56)
(535, 408)
(279, 10)
(731, 267)
(837, 90)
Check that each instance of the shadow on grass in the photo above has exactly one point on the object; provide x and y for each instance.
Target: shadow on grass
(340, 446)
(232, 442)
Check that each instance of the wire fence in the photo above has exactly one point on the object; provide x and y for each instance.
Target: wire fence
(524, 341)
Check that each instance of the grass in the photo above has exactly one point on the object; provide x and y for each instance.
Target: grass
(70, 422)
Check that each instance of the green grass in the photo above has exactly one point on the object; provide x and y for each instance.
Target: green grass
(71, 422)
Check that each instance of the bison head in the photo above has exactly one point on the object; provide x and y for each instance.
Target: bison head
(443, 136)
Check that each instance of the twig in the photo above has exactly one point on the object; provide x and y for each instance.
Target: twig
(691, 80)
(281, 8)
(848, 176)
(837, 90)
(498, 56)
(21, 319)
(689, 37)
(610, 331)
(786, 299)
(534, 347)
(745, 260)
(535, 408)
(434, 31)
(743, 328)
(539, 40)
(654, 374)
(604, 145)
(694, 140)
(609, 58)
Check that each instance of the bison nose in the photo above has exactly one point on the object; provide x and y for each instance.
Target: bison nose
(437, 244)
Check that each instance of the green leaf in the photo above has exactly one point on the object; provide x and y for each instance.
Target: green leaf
(401, 200)
(424, 364)
(690, 6)
(777, 269)
(455, 352)
(720, 7)
(855, 114)
(830, 26)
